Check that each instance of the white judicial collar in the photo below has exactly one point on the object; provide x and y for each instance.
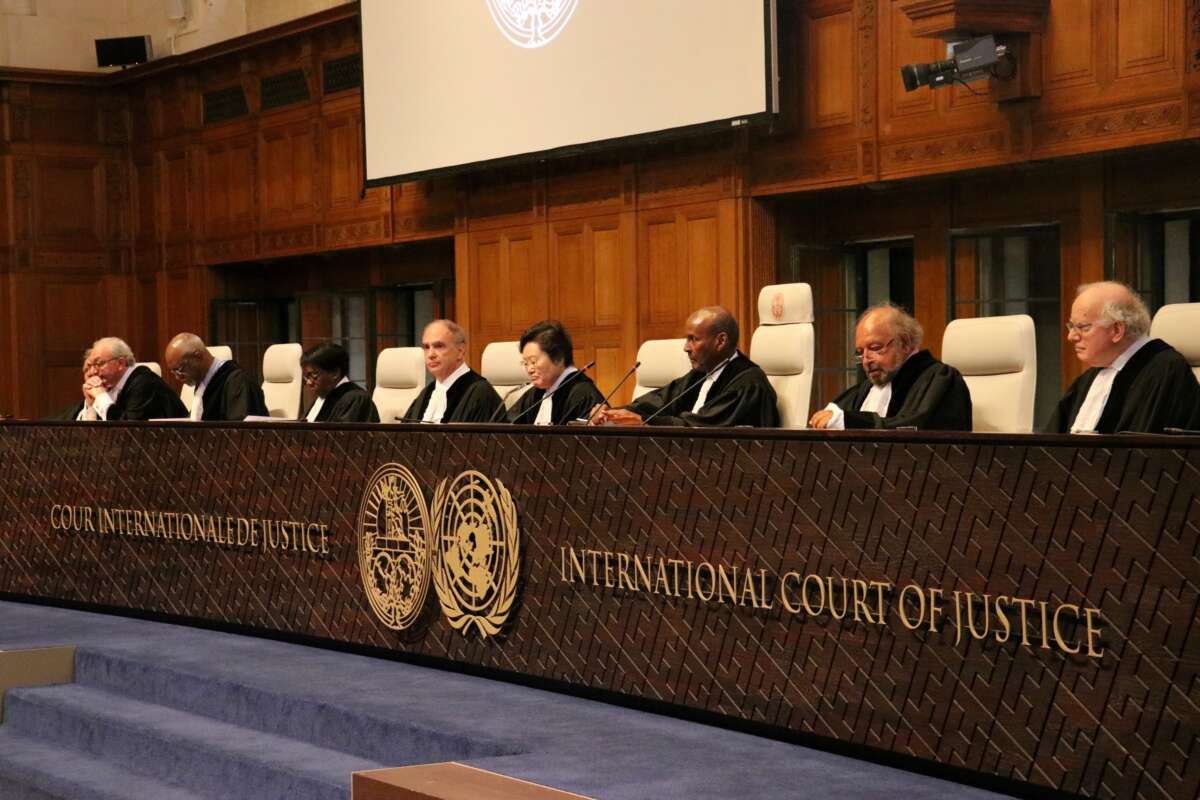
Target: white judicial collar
(105, 401)
(546, 409)
(702, 397)
(320, 401)
(198, 397)
(438, 400)
(1097, 397)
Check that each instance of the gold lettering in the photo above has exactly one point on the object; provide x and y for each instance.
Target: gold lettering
(783, 592)
(594, 554)
(712, 580)
(1045, 627)
(903, 602)
(1058, 637)
(1002, 618)
(55, 516)
(87, 519)
(577, 567)
(308, 533)
(1093, 631)
(879, 587)
(804, 595)
(324, 539)
(1023, 606)
(243, 531)
(660, 579)
(859, 590)
(845, 599)
(725, 584)
(987, 616)
(958, 626)
(935, 608)
(767, 603)
(675, 565)
(641, 574)
(748, 588)
(623, 581)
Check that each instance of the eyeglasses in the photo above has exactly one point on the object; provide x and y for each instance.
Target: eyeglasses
(100, 362)
(1080, 327)
(873, 349)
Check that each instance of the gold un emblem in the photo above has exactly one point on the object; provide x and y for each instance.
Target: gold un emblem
(470, 545)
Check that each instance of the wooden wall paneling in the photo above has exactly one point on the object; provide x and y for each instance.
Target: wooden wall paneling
(830, 77)
(506, 283)
(423, 209)
(224, 196)
(689, 171)
(287, 185)
(1192, 66)
(349, 218)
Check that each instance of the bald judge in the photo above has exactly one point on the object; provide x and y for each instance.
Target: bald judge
(457, 393)
(723, 389)
(904, 387)
(223, 391)
(1132, 382)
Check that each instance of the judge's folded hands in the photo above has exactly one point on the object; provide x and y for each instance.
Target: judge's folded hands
(603, 415)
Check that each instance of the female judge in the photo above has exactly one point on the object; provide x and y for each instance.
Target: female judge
(560, 392)
(325, 369)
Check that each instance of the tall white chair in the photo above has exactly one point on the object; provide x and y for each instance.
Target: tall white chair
(662, 361)
(153, 366)
(399, 378)
(502, 368)
(223, 352)
(783, 346)
(1178, 324)
(997, 357)
(282, 384)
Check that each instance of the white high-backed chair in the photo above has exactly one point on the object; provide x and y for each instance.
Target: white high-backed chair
(783, 346)
(997, 357)
(1178, 324)
(502, 368)
(153, 366)
(223, 352)
(662, 361)
(399, 378)
(282, 384)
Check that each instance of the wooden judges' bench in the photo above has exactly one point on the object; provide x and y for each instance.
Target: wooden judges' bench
(1017, 606)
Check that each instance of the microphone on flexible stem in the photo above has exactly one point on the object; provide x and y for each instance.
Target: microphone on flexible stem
(604, 402)
(553, 391)
(504, 399)
(679, 396)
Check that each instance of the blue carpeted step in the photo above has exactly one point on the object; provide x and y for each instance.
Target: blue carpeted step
(32, 769)
(278, 704)
(195, 752)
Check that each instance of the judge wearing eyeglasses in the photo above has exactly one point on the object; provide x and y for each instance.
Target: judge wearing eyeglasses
(560, 393)
(904, 386)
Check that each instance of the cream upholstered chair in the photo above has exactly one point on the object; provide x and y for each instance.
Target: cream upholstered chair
(662, 361)
(399, 378)
(1178, 324)
(502, 368)
(188, 392)
(783, 346)
(997, 357)
(282, 384)
(153, 366)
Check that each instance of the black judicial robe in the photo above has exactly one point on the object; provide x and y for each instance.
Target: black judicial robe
(146, 396)
(469, 399)
(231, 395)
(741, 395)
(574, 400)
(1154, 390)
(68, 414)
(348, 403)
(926, 394)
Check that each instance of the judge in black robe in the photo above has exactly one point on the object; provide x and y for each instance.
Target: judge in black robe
(926, 394)
(737, 393)
(1152, 387)
(224, 391)
(143, 396)
(740, 395)
(1153, 391)
(548, 355)
(325, 369)
(469, 399)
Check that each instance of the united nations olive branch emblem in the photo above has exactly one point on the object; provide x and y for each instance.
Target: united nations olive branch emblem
(476, 552)
(394, 546)
(470, 545)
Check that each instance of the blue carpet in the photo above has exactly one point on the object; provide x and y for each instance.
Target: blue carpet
(172, 712)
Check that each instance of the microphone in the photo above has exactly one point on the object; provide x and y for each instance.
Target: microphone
(700, 382)
(552, 392)
(507, 395)
(604, 402)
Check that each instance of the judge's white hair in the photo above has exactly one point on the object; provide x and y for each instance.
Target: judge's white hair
(116, 348)
(904, 325)
(1129, 308)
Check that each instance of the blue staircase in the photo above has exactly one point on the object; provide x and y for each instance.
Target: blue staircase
(129, 728)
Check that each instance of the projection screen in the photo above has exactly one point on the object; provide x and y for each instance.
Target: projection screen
(453, 83)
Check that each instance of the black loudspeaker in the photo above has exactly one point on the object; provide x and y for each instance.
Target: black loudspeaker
(122, 51)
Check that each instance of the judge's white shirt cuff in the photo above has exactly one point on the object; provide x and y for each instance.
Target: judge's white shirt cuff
(101, 405)
(87, 414)
(838, 421)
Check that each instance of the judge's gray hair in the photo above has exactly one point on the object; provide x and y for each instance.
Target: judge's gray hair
(116, 348)
(1127, 307)
(460, 336)
(904, 325)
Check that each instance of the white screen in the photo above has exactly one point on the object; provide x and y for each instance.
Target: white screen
(444, 86)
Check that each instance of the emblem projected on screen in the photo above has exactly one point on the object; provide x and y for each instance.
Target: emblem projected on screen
(531, 23)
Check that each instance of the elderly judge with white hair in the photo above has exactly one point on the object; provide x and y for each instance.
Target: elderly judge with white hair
(1132, 382)
(904, 387)
(121, 390)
